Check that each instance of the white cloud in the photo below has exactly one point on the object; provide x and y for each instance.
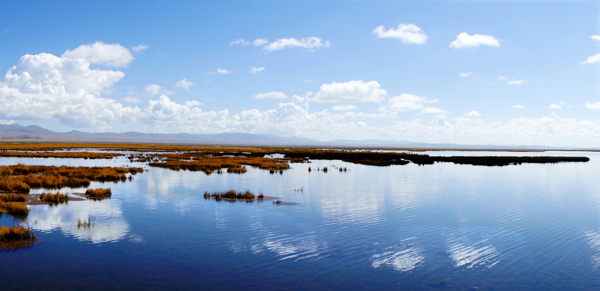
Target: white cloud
(184, 84)
(131, 99)
(555, 106)
(518, 106)
(6, 122)
(517, 82)
(255, 70)
(473, 114)
(153, 89)
(45, 86)
(270, 95)
(512, 81)
(140, 47)
(260, 41)
(407, 33)
(307, 42)
(593, 59)
(344, 107)
(220, 72)
(464, 40)
(593, 105)
(240, 41)
(307, 81)
(595, 37)
(407, 102)
(433, 110)
(464, 75)
(192, 103)
(112, 55)
(352, 91)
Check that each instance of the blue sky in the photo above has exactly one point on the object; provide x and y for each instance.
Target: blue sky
(518, 75)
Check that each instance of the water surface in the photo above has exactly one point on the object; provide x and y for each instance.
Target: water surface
(433, 227)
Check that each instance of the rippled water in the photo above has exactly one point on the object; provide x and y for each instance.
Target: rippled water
(434, 227)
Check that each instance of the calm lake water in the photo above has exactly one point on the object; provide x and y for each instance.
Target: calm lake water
(434, 227)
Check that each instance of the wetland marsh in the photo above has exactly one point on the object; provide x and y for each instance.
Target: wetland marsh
(374, 220)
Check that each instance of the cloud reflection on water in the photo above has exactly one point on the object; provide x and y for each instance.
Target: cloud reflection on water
(106, 216)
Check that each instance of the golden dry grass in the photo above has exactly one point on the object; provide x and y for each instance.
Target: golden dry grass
(54, 198)
(232, 195)
(98, 194)
(22, 178)
(15, 233)
(14, 208)
(72, 155)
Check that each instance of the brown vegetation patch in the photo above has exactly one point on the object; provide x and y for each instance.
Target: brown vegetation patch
(14, 208)
(62, 155)
(233, 196)
(22, 178)
(208, 164)
(16, 237)
(54, 198)
(98, 194)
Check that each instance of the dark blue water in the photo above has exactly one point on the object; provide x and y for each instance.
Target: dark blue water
(435, 227)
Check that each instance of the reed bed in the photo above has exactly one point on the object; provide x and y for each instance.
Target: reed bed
(22, 178)
(62, 155)
(233, 195)
(14, 208)
(15, 233)
(54, 198)
(98, 194)
(13, 198)
(208, 164)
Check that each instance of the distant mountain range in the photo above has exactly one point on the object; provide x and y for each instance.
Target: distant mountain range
(33, 133)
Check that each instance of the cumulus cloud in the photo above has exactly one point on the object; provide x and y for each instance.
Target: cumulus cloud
(240, 41)
(473, 114)
(307, 42)
(593, 59)
(595, 37)
(111, 55)
(465, 40)
(45, 86)
(270, 95)
(140, 47)
(593, 105)
(131, 99)
(464, 75)
(352, 91)
(555, 106)
(184, 84)
(255, 70)
(344, 107)
(408, 102)
(260, 41)
(407, 33)
(518, 106)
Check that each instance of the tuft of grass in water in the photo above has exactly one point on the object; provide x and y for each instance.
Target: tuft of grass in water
(237, 170)
(54, 198)
(15, 233)
(84, 223)
(98, 194)
(325, 169)
(232, 195)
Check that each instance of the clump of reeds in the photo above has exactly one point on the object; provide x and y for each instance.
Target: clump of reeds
(309, 169)
(237, 170)
(98, 194)
(13, 198)
(16, 233)
(325, 169)
(84, 223)
(15, 208)
(231, 195)
(54, 198)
